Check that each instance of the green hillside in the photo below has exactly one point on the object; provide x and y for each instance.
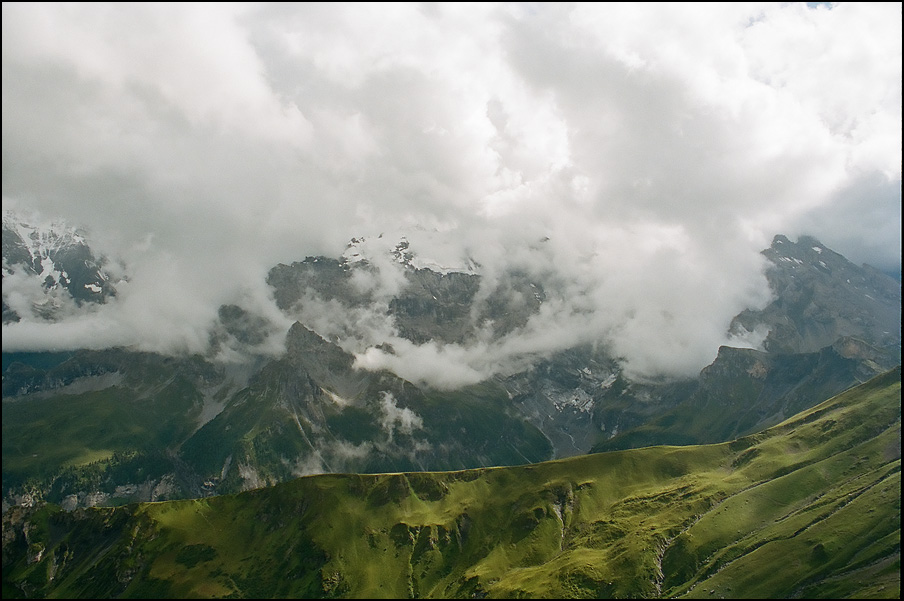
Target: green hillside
(808, 508)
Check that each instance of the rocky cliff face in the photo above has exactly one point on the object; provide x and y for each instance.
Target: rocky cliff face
(422, 304)
(820, 296)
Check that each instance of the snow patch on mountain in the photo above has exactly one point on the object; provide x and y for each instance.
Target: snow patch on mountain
(374, 251)
(49, 270)
(42, 239)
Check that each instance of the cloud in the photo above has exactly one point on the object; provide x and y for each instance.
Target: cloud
(657, 149)
(395, 418)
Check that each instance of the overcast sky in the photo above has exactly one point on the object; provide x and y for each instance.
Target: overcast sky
(658, 147)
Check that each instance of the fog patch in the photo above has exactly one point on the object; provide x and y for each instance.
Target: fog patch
(397, 419)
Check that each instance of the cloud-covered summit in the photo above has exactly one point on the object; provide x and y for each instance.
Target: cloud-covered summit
(636, 157)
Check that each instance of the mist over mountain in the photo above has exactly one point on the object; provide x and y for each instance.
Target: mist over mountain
(397, 362)
(632, 160)
(453, 322)
(49, 271)
(506, 310)
(359, 287)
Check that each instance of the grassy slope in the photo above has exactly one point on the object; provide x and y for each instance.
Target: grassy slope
(810, 507)
(41, 436)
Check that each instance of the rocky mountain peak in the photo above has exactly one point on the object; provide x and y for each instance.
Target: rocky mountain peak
(821, 297)
(49, 265)
(375, 250)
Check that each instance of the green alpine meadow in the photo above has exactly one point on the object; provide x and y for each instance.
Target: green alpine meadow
(809, 508)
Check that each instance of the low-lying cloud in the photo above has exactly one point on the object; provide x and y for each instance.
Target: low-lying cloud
(635, 159)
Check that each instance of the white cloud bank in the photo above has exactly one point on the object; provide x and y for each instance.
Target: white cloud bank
(657, 147)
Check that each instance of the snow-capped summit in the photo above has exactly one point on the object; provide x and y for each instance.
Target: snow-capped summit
(370, 250)
(46, 266)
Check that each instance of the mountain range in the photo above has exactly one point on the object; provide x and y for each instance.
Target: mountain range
(106, 427)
